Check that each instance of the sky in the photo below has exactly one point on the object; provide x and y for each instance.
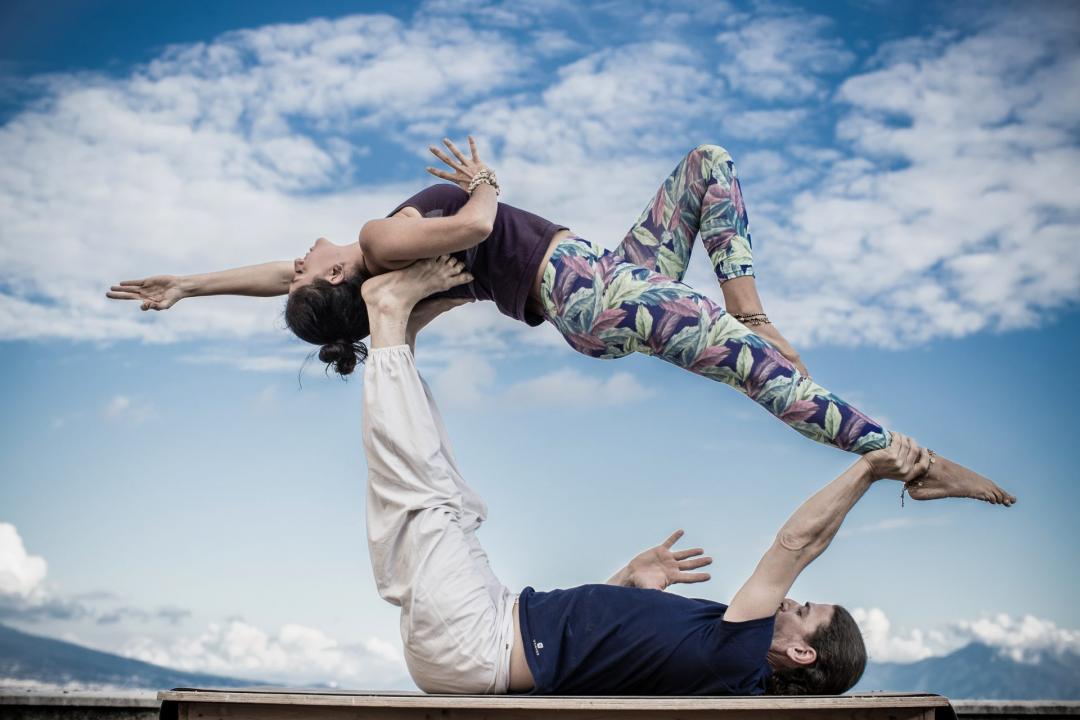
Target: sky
(186, 487)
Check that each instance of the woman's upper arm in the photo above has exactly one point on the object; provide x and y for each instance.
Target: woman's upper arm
(400, 238)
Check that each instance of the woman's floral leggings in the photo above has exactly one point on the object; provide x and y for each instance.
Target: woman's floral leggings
(610, 304)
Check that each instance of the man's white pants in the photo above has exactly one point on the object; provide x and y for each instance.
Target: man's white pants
(456, 617)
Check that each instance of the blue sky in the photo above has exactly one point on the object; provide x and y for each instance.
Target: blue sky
(170, 489)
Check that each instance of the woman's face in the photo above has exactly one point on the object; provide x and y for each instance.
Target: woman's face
(321, 261)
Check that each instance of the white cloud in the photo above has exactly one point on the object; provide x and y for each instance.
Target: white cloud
(469, 380)
(294, 654)
(884, 646)
(947, 210)
(1023, 639)
(193, 163)
(779, 58)
(569, 388)
(121, 407)
(21, 574)
(955, 211)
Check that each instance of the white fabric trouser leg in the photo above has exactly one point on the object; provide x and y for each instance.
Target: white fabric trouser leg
(456, 617)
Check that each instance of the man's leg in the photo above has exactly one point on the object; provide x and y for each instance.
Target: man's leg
(453, 629)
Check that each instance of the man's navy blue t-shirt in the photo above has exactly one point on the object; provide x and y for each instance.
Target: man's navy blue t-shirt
(611, 640)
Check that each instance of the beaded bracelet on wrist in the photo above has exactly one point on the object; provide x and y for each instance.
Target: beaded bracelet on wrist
(752, 319)
(486, 177)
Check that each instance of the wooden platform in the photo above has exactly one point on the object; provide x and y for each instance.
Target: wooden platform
(264, 704)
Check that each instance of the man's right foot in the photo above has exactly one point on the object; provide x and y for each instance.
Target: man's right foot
(407, 286)
(948, 479)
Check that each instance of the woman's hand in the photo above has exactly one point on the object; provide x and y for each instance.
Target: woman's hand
(659, 567)
(465, 169)
(159, 292)
(902, 460)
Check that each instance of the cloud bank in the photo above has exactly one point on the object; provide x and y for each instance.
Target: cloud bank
(924, 192)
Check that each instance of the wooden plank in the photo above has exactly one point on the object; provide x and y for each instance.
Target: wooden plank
(559, 703)
(241, 711)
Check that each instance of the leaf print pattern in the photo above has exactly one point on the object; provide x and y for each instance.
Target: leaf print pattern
(608, 307)
(701, 195)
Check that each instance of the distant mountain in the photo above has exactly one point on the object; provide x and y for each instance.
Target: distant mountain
(32, 657)
(978, 671)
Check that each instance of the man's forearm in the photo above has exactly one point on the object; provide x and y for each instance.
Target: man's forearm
(813, 526)
(264, 280)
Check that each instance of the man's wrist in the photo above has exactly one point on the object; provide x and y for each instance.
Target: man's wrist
(866, 469)
(188, 285)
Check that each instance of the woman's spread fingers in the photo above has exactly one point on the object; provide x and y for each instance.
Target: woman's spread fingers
(443, 156)
(440, 174)
(453, 149)
(472, 149)
(117, 295)
(683, 554)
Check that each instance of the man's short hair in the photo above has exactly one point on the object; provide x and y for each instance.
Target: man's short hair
(841, 659)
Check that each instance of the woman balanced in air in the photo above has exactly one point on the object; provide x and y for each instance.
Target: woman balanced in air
(606, 304)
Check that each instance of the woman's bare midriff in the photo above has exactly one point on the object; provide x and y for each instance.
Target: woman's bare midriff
(521, 679)
(534, 295)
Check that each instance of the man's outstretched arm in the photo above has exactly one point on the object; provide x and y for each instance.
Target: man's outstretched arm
(807, 533)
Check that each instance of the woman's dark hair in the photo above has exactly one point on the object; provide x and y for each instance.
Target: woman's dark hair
(333, 316)
(841, 659)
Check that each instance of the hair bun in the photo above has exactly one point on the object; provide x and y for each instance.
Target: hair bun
(343, 355)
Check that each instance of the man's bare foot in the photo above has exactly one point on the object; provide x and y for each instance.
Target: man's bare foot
(402, 289)
(948, 479)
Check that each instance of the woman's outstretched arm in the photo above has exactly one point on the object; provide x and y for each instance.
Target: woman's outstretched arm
(161, 292)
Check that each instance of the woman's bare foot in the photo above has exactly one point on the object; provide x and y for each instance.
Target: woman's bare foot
(402, 289)
(948, 479)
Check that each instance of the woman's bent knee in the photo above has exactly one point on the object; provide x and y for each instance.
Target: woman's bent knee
(712, 152)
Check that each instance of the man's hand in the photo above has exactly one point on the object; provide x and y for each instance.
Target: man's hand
(659, 567)
(903, 460)
(159, 292)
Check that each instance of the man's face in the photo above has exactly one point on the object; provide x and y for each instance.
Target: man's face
(796, 623)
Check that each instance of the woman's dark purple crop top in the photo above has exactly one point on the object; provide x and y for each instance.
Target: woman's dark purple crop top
(504, 265)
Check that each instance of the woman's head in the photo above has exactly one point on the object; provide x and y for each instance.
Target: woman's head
(325, 307)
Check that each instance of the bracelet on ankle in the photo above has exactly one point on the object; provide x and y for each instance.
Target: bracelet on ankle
(752, 319)
(484, 177)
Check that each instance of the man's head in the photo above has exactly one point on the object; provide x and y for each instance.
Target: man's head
(816, 649)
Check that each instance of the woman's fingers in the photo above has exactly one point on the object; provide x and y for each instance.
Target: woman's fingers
(441, 174)
(453, 149)
(472, 149)
(118, 295)
(443, 156)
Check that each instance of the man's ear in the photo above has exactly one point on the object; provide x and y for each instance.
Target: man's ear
(802, 654)
(337, 274)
